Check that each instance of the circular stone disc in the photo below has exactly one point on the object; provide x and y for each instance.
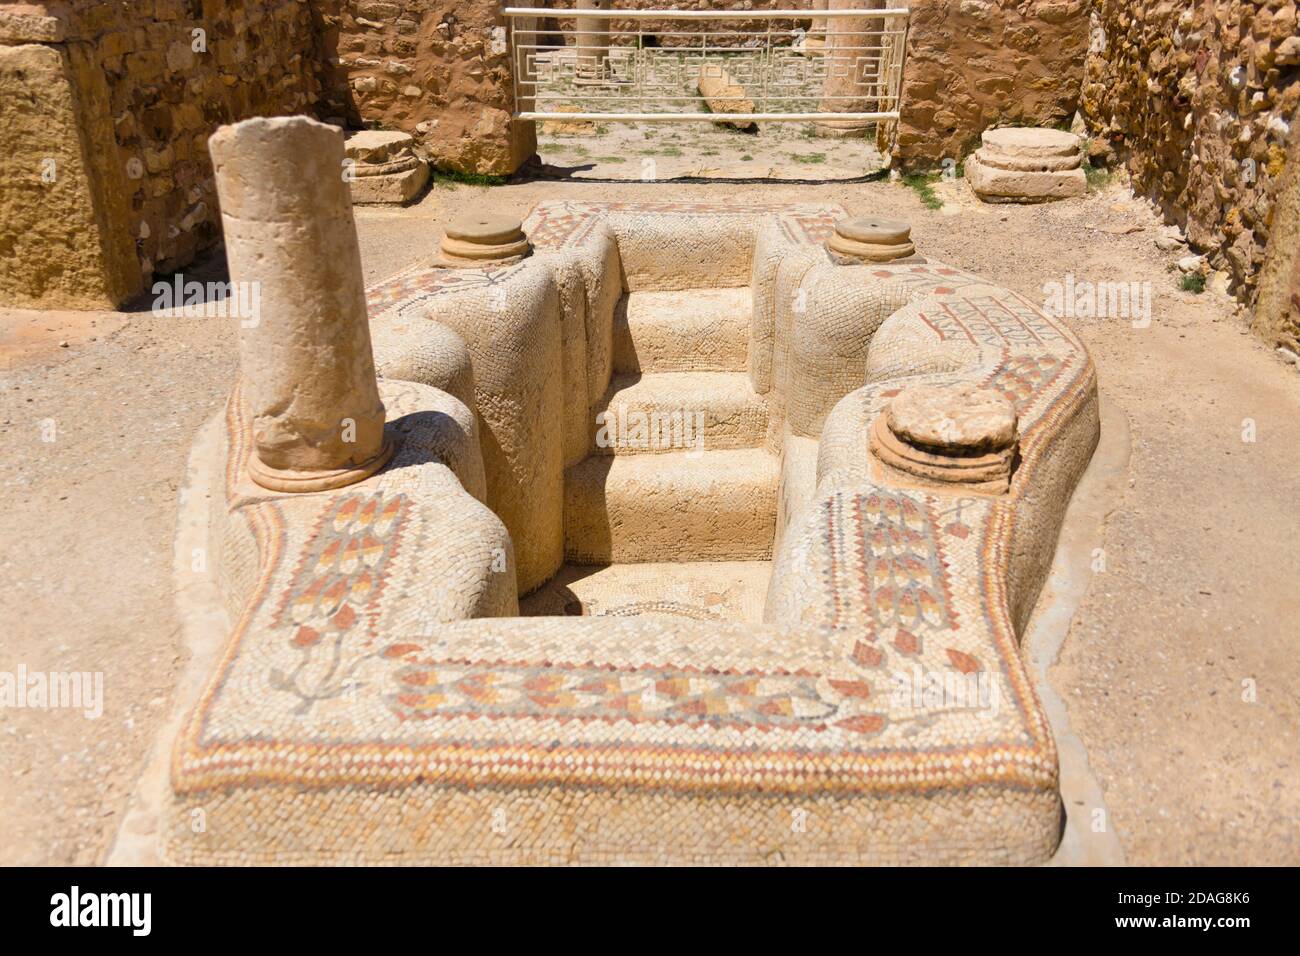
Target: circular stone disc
(957, 418)
(487, 229)
(1028, 141)
(877, 232)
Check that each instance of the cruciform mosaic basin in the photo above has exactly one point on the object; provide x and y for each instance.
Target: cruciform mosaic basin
(788, 632)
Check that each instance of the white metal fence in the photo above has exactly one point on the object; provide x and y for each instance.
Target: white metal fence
(843, 67)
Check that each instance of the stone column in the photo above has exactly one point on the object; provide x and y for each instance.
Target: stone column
(853, 48)
(309, 375)
(592, 43)
(817, 29)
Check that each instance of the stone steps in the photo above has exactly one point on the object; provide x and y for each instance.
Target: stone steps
(714, 506)
(693, 330)
(674, 411)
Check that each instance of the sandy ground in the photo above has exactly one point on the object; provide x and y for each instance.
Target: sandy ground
(1198, 592)
(781, 152)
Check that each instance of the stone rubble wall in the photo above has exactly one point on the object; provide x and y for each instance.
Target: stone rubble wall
(974, 64)
(657, 28)
(168, 88)
(431, 68)
(1197, 101)
(1277, 303)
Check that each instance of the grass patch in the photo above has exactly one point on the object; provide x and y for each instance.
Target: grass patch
(1097, 176)
(609, 159)
(670, 151)
(923, 185)
(808, 159)
(446, 178)
(1192, 282)
(747, 158)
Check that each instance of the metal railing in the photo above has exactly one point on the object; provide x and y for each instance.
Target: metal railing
(845, 67)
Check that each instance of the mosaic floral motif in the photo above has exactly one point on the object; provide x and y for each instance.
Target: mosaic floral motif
(1021, 377)
(887, 546)
(327, 607)
(943, 280)
(445, 689)
(810, 228)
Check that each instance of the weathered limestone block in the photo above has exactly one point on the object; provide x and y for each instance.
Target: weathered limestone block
(310, 388)
(723, 94)
(28, 23)
(1026, 165)
(63, 205)
(383, 167)
(568, 127)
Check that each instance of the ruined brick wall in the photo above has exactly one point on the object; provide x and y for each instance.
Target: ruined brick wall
(655, 28)
(174, 71)
(974, 64)
(170, 88)
(1197, 99)
(431, 68)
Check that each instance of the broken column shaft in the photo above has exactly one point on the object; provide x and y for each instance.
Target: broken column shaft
(309, 381)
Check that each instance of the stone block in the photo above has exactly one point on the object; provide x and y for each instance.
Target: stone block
(30, 24)
(63, 209)
(384, 168)
(1026, 165)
